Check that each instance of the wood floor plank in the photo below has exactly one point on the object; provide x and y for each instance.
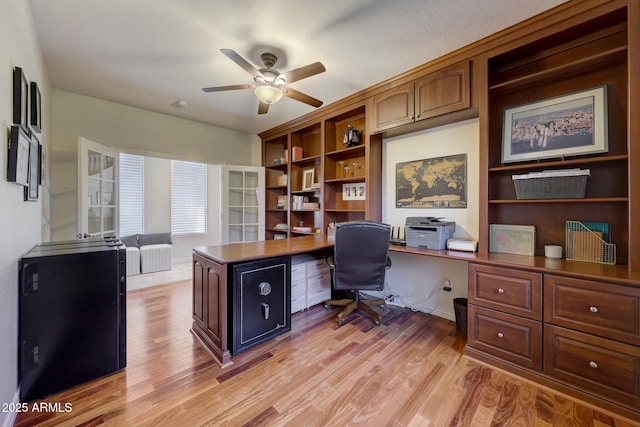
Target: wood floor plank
(409, 371)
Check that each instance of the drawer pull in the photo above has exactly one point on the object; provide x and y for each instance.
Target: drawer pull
(593, 309)
(500, 335)
(593, 364)
(500, 290)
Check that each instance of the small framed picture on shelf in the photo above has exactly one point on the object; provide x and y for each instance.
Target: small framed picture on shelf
(307, 179)
(354, 191)
(569, 125)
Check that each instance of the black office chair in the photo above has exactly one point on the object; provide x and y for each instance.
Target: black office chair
(359, 262)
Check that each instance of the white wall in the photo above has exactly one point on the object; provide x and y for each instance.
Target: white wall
(20, 222)
(419, 279)
(134, 131)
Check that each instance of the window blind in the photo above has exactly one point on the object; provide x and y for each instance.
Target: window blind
(188, 197)
(131, 191)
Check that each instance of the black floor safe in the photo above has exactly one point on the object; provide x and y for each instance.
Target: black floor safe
(261, 302)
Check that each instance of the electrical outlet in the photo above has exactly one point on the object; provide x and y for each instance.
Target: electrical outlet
(448, 286)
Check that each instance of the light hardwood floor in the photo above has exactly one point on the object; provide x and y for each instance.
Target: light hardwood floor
(410, 371)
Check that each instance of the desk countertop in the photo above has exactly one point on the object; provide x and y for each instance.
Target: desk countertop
(250, 251)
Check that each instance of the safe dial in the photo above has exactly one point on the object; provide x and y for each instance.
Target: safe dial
(265, 288)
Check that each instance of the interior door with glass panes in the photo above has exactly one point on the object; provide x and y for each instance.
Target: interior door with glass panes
(97, 190)
(242, 204)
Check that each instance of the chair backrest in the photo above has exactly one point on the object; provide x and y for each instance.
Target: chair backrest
(361, 251)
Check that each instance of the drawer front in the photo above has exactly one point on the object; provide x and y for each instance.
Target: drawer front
(318, 289)
(512, 338)
(299, 288)
(298, 303)
(603, 309)
(512, 291)
(317, 267)
(604, 366)
(298, 271)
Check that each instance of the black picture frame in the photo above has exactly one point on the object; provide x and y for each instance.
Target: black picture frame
(35, 118)
(18, 156)
(31, 191)
(20, 97)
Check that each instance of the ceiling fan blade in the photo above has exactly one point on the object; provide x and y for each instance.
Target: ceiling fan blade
(232, 87)
(302, 97)
(304, 72)
(232, 55)
(263, 108)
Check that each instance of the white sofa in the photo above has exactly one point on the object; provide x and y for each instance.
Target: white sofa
(147, 253)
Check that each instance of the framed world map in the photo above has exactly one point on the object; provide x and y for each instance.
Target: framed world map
(439, 182)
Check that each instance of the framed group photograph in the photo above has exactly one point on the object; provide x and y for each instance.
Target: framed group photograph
(354, 191)
(570, 125)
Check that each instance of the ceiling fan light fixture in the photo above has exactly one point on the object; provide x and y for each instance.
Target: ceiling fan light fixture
(268, 94)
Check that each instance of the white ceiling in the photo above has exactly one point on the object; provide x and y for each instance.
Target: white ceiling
(151, 53)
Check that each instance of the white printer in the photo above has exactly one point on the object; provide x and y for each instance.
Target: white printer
(428, 232)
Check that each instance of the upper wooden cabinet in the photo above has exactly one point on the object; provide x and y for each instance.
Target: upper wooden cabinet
(442, 92)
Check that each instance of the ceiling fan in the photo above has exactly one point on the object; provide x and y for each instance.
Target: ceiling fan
(269, 83)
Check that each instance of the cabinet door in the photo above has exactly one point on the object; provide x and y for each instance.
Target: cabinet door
(198, 290)
(215, 321)
(442, 92)
(394, 107)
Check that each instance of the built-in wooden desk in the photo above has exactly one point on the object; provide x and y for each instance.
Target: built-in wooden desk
(539, 300)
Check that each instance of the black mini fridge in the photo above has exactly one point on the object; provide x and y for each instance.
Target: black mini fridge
(72, 314)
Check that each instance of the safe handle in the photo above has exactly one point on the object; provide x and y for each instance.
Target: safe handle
(265, 310)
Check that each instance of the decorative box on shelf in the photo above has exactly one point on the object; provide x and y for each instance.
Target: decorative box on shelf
(552, 184)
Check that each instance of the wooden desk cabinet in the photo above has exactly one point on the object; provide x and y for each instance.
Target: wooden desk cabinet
(581, 334)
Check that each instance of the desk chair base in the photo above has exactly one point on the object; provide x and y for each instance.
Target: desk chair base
(356, 303)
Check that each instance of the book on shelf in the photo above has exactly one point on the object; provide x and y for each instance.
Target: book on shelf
(297, 153)
(281, 226)
(301, 229)
(298, 202)
(310, 206)
(281, 179)
(279, 236)
(282, 202)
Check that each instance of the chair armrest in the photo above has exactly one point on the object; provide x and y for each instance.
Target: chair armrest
(332, 264)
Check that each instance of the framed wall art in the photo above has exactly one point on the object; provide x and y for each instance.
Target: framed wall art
(20, 97)
(35, 116)
(18, 156)
(569, 125)
(31, 190)
(439, 182)
(354, 191)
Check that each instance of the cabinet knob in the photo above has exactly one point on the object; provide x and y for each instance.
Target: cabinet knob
(500, 335)
(593, 309)
(593, 364)
(500, 290)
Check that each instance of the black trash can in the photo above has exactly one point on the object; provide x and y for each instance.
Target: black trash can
(460, 309)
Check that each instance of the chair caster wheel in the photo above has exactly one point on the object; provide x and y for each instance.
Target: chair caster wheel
(376, 323)
(327, 306)
(382, 305)
(340, 322)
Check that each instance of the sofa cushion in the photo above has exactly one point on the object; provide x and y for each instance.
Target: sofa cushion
(130, 241)
(154, 239)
